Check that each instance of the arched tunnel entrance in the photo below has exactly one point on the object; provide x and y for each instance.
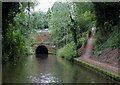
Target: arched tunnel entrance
(41, 51)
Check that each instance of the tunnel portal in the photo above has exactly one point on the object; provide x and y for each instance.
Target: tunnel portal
(41, 50)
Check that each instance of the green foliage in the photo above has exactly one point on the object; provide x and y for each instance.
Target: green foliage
(39, 20)
(107, 26)
(85, 42)
(112, 41)
(67, 22)
(61, 25)
(16, 32)
(98, 38)
(80, 42)
(84, 15)
(58, 23)
(70, 22)
(14, 45)
(68, 51)
(107, 15)
(107, 12)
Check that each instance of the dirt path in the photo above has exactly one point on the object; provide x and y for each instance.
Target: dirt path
(88, 53)
(89, 47)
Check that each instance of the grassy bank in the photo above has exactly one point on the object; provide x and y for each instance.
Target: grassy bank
(106, 74)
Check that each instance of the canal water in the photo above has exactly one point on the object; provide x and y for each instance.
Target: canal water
(48, 70)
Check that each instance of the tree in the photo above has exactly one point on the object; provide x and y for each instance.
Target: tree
(73, 29)
(59, 23)
(14, 30)
(69, 21)
(9, 10)
(106, 12)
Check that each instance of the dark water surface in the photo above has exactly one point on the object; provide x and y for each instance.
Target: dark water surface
(48, 70)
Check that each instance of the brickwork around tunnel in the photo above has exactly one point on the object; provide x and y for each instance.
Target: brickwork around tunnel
(49, 47)
(44, 39)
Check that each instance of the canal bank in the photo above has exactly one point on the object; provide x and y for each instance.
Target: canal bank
(103, 69)
(104, 73)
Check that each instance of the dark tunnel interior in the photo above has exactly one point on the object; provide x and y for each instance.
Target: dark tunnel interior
(41, 50)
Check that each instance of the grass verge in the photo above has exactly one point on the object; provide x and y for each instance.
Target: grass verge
(107, 74)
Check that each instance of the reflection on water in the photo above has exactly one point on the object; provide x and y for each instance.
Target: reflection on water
(44, 78)
(48, 78)
(42, 56)
(50, 69)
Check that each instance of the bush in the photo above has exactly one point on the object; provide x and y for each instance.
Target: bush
(80, 41)
(68, 51)
(14, 44)
(85, 42)
(112, 41)
(98, 38)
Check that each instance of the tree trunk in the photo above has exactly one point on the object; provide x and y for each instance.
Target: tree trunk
(67, 38)
(102, 31)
